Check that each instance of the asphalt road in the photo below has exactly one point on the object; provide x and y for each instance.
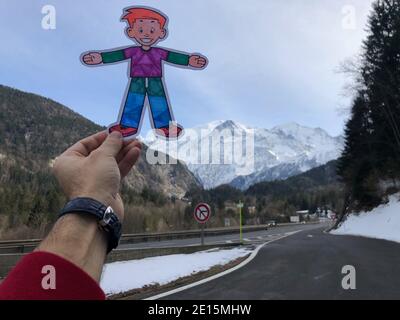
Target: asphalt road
(306, 266)
(249, 237)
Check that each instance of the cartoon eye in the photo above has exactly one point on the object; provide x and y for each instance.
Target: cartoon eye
(141, 30)
(152, 30)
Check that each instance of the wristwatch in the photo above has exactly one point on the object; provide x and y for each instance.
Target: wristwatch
(108, 221)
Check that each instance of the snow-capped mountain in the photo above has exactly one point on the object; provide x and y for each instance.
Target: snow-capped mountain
(227, 152)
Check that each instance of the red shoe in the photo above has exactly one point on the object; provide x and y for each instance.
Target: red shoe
(171, 132)
(125, 131)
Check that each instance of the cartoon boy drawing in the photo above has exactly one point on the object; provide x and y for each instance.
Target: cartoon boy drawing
(146, 27)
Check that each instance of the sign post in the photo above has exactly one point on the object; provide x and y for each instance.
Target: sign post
(202, 214)
(202, 234)
(240, 207)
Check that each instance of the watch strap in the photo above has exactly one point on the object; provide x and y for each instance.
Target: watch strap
(105, 215)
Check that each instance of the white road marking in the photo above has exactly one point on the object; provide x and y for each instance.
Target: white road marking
(228, 241)
(241, 265)
(322, 276)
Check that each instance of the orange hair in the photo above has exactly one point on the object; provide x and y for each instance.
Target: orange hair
(134, 14)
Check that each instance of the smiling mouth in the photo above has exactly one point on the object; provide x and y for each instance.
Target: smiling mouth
(146, 40)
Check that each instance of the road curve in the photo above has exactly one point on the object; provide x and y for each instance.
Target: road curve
(307, 266)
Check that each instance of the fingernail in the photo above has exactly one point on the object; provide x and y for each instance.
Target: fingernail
(116, 134)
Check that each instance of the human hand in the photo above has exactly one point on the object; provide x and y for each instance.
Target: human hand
(197, 61)
(93, 168)
(92, 58)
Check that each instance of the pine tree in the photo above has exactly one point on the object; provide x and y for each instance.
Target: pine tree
(372, 150)
(357, 163)
(381, 75)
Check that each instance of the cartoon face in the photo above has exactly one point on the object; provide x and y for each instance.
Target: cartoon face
(146, 32)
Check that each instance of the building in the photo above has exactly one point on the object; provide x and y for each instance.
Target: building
(295, 219)
(252, 210)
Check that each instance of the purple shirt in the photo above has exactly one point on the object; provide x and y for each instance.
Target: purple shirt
(146, 63)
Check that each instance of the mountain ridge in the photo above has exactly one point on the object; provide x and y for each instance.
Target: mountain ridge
(279, 153)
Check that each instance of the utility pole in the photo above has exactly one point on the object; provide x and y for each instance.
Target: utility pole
(240, 207)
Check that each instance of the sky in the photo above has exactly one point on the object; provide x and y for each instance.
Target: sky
(271, 61)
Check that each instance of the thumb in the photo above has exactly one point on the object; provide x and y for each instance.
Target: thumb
(113, 144)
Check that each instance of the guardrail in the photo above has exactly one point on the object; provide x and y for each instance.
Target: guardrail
(25, 246)
(8, 261)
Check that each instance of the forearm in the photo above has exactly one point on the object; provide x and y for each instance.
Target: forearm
(178, 58)
(113, 56)
(78, 239)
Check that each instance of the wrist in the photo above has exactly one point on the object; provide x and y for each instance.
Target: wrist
(102, 197)
(107, 199)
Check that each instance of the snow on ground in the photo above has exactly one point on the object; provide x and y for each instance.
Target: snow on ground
(381, 223)
(119, 277)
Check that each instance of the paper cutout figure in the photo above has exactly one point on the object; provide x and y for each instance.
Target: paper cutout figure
(147, 27)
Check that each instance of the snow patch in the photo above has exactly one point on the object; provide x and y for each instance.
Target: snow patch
(119, 277)
(381, 223)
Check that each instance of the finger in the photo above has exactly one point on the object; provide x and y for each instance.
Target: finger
(86, 146)
(112, 145)
(133, 142)
(130, 159)
(127, 147)
(202, 60)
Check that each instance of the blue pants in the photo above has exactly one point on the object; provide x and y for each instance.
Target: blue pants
(135, 100)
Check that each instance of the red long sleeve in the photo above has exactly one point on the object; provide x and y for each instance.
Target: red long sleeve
(41, 270)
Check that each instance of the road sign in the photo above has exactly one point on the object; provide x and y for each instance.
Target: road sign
(202, 213)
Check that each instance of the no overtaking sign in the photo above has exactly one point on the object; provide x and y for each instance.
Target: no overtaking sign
(202, 213)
